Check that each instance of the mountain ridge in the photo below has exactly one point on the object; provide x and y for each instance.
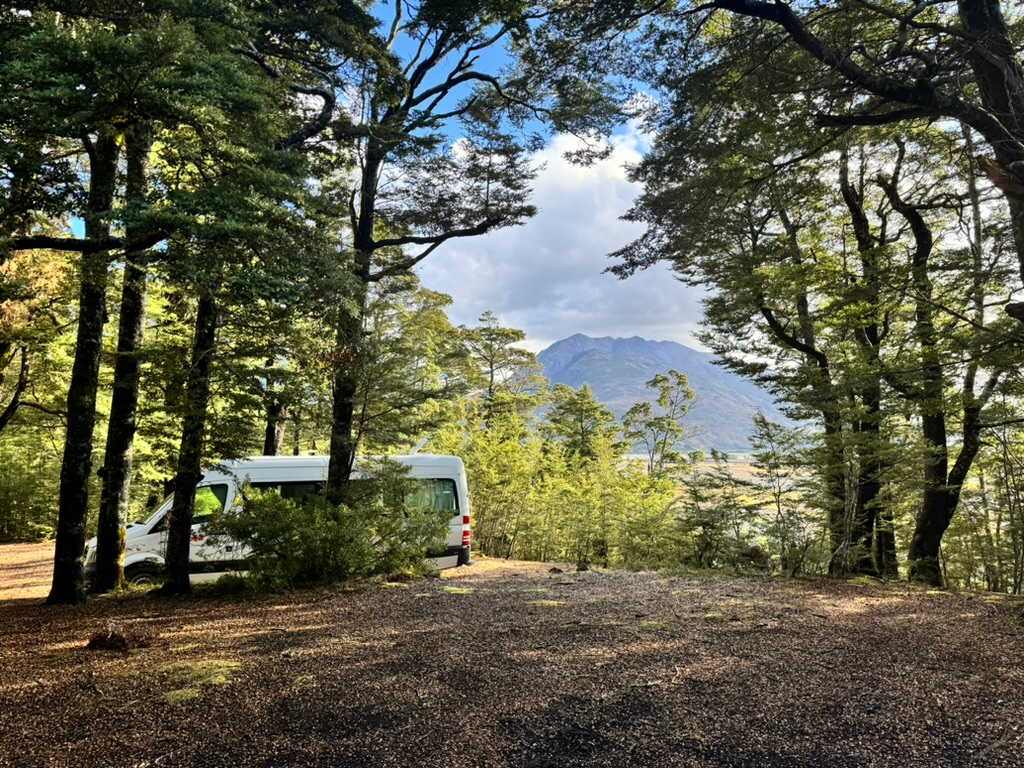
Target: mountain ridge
(617, 369)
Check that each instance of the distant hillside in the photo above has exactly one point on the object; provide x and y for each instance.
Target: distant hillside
(617, 369)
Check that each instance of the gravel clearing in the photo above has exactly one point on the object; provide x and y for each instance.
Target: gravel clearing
(511, 664)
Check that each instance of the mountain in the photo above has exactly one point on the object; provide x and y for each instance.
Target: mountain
(618, 369)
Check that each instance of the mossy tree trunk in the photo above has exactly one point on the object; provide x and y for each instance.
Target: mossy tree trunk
(190, 457)
(73, 507)
(117, 466)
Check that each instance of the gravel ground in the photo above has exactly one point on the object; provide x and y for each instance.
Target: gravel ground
(511, 664)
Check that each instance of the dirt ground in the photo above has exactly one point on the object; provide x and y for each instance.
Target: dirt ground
(511, 664)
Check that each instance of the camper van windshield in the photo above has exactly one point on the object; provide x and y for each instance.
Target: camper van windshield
(210, 499)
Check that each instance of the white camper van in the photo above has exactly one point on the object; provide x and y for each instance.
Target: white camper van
(441, 481)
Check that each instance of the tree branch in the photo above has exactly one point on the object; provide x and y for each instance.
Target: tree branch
(921, 93)
(81, 245)
(873, 118)
(37, 406)
(432, 241)
(788, 339)
(19, 388)
(312, 128)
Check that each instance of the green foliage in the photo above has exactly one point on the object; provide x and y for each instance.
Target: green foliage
(412, 362)
(646, 530)
(717, 516)
(984, 547)
(658, 431)
(580, 420)
(292, 543)
(848, 266)
(780, 460)
(28, 485)
(509, 375)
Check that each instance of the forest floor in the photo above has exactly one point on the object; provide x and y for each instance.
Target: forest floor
(514, 664)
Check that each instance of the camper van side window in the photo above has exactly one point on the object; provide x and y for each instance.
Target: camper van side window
(296, 491)
(437, 494)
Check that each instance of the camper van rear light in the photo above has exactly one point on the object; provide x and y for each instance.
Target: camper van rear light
(465, 519)
(467, 537)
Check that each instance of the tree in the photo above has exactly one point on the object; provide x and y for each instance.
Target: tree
(818, 312)
(442, 136)
(414, 364)
(660, 432)
(435, 163)
(80, 108)
(504, 460)
(873, 64)
(779, 458)
(33, 289)
(714, 515)
(580, 420)
(505, 367)
(93, 85)
(117, 463)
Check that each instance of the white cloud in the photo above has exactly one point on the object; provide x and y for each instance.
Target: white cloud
(546, 277)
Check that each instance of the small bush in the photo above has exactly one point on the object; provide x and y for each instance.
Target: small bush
(313, 541)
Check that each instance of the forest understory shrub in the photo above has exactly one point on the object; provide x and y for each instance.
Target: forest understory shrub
(313, 541)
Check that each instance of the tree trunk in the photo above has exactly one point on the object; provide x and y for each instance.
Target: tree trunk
(346, 381)
(277, 418)
(73, 507)
(833, 465)
(861, 541)
(344, 437)
(190, 457)
(885, 545)
(117, 466)
(296, 417)
(934, 515)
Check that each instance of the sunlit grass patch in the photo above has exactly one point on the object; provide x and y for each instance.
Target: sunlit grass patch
(123, 672)
(181, 695)
(547, 603)
(862, 581)
(685, 592)
(458, 590)
(303, 681)
(195, 675)
(656, 626)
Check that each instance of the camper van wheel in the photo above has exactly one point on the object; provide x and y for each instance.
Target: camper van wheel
(143, 574)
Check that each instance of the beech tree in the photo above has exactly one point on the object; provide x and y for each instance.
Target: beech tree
(506, 368)
(434, 164)
(579, 419)
(266, 240)
(659, 430)
(442, 139)
(92, 85)
(801, 231)
(78, 110)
